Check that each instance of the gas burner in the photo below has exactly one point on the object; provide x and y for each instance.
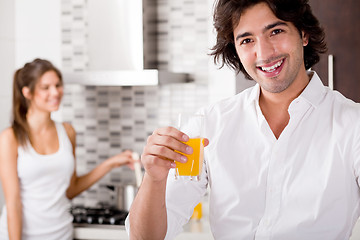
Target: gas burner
(104, 216)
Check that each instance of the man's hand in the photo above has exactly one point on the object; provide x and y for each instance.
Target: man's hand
(158, 156)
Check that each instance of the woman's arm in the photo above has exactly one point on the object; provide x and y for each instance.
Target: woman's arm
(79, 184)
(10, 182)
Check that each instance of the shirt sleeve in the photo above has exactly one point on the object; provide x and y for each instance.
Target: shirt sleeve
(183, 195)
(356, 149)
(181, 198)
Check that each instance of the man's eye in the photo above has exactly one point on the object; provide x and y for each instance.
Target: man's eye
(245, 41)
(276, 31)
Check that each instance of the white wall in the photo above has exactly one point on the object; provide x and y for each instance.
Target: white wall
(7, 47)
(221, 82)
(27, 31)
(7, 59)
(37, 31)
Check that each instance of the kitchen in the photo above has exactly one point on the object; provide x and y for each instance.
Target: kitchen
(111, 117)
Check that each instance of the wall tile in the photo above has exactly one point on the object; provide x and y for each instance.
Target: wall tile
(109, 120)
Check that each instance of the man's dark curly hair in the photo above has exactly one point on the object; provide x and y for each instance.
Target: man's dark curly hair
(226, 17)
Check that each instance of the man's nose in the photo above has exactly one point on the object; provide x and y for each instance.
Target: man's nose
(264, 49)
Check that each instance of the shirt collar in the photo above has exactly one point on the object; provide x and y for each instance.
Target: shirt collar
(313, 92)
(254, 94)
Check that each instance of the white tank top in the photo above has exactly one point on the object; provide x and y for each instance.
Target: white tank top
(43, 183)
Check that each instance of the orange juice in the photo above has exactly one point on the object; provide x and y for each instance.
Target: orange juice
(197, 214)
(193, 166)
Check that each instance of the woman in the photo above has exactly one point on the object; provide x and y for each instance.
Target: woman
(37, 160)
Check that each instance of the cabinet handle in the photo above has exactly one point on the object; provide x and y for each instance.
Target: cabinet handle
(331, 71)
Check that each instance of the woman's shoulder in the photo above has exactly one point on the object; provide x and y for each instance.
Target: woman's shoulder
(8, 139)
(68, 127)
(70, 131)
(8, 134)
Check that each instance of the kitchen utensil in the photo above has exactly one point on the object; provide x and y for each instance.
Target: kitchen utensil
(124, 195)
(137, 166)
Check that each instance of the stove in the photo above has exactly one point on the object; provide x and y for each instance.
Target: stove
(98, 216)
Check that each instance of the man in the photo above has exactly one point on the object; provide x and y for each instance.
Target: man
(283, 157)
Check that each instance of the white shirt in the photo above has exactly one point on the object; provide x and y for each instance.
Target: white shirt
(43, 183)
(302, 186)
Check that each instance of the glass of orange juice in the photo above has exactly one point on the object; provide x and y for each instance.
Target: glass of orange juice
(193, 126)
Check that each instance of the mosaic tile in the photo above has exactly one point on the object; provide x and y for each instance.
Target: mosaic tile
(109, 120)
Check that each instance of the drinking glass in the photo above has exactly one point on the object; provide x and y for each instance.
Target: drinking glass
(193, 126)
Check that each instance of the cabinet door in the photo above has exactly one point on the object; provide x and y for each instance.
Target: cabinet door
(341, 20)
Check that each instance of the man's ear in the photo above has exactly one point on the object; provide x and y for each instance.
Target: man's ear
(305, 38)
(26, 92)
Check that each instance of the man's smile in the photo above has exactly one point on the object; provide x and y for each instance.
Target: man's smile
(269, 68)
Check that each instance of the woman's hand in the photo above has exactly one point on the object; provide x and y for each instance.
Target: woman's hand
(122, 159)
(80, 184)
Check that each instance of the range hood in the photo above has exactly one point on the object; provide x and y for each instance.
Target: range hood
(146, 77)
(116, 47)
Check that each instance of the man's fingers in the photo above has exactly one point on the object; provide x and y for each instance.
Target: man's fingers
(172, 132)
(171, 141)
(206, 142)
(152, 160)
(164, 153)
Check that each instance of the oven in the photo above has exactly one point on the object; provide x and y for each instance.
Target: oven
(103, 223)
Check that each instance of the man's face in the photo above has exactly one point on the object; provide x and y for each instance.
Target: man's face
(270, 49)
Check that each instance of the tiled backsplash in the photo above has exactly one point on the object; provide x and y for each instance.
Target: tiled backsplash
(74, 33)
(111, 119)
(183, 35)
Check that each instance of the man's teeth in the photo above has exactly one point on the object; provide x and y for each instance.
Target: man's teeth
(273, 67)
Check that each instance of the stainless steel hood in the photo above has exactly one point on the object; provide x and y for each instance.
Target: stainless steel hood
(146, 77)
(115, 44)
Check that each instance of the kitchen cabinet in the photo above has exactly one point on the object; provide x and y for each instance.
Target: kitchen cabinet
(340, 19)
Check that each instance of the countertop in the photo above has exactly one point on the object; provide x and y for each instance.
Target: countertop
(99, 232)
(193, 230)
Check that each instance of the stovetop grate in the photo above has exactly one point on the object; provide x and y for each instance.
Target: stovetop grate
(103, 216)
